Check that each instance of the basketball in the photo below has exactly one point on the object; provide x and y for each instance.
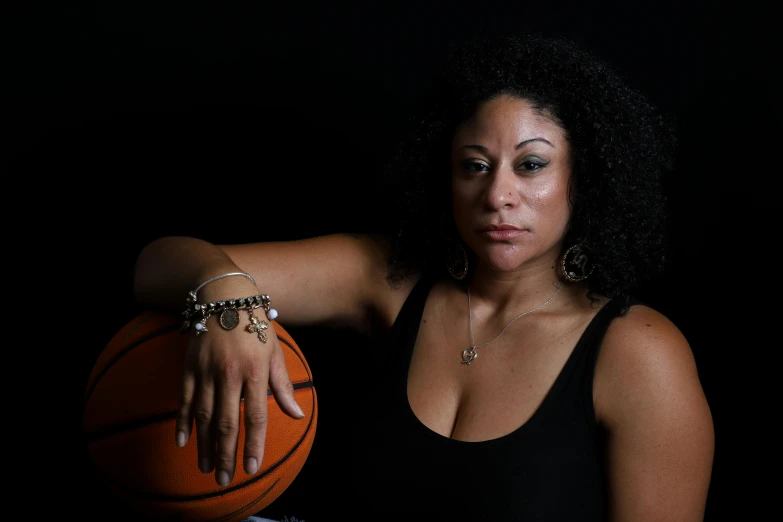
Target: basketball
(130, 404)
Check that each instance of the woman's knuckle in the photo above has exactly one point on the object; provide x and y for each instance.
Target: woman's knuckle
(226, 426)
(255, 370)
(203, 415)
(231, 369)
(256, 418)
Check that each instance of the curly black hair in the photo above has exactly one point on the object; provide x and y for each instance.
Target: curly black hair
(621, 146)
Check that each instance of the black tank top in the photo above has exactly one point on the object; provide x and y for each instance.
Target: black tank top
(549, 469)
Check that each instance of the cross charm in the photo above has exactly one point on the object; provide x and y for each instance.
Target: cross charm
(257, 326)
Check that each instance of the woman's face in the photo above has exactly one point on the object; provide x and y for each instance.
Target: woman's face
(510, 174)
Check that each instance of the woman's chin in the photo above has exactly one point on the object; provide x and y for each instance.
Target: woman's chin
(503, 264)
(505, 258)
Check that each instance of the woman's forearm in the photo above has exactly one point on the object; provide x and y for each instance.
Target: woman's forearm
(168, 268)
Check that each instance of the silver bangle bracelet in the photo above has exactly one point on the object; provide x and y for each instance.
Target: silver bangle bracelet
(194, 293)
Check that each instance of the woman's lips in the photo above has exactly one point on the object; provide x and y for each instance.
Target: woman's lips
(501, 232)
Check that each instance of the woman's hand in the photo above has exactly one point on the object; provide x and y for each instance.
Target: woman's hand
(223, 367)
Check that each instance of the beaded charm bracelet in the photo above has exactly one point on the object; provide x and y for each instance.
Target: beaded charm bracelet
(197, 314)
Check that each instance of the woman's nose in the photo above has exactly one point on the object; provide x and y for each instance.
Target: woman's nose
(502, 190)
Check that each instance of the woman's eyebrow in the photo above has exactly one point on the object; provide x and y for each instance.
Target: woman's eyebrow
(520, 144)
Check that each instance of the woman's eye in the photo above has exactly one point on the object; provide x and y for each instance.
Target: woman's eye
(532, 165)
(474, 166)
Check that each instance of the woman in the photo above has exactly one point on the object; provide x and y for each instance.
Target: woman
(523, 379)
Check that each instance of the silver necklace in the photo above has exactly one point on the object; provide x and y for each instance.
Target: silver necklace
(469, 354)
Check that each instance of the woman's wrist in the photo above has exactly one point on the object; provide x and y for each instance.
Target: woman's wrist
(194, 293)
(225, 295)
(232, 287)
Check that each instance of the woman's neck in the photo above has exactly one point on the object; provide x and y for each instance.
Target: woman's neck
(517, 290)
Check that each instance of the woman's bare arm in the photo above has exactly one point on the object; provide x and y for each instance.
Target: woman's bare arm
(659, 427)
(333, 280)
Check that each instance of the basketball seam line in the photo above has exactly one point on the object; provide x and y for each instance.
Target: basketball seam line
(122, 354)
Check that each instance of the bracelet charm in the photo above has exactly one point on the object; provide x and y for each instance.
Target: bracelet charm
(185, 325)
(257, 326)
(229, 318)
(201, 326)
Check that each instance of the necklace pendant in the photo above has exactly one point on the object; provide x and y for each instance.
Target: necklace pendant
(469, 355)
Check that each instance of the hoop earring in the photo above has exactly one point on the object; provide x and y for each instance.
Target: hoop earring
(575, 265)
(457, 262)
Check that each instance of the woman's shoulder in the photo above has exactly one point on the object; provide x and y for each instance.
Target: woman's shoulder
(643, 337)
(644, 358)
(643, 327)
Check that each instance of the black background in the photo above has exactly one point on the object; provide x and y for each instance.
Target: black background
(236, 123)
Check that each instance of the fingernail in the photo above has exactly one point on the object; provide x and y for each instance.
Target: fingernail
(251, 465)
(180, 438)
(222, 478)
(203, 464)
(299, 410)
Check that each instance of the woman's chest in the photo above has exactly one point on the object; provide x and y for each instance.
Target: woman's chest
(502, 387)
